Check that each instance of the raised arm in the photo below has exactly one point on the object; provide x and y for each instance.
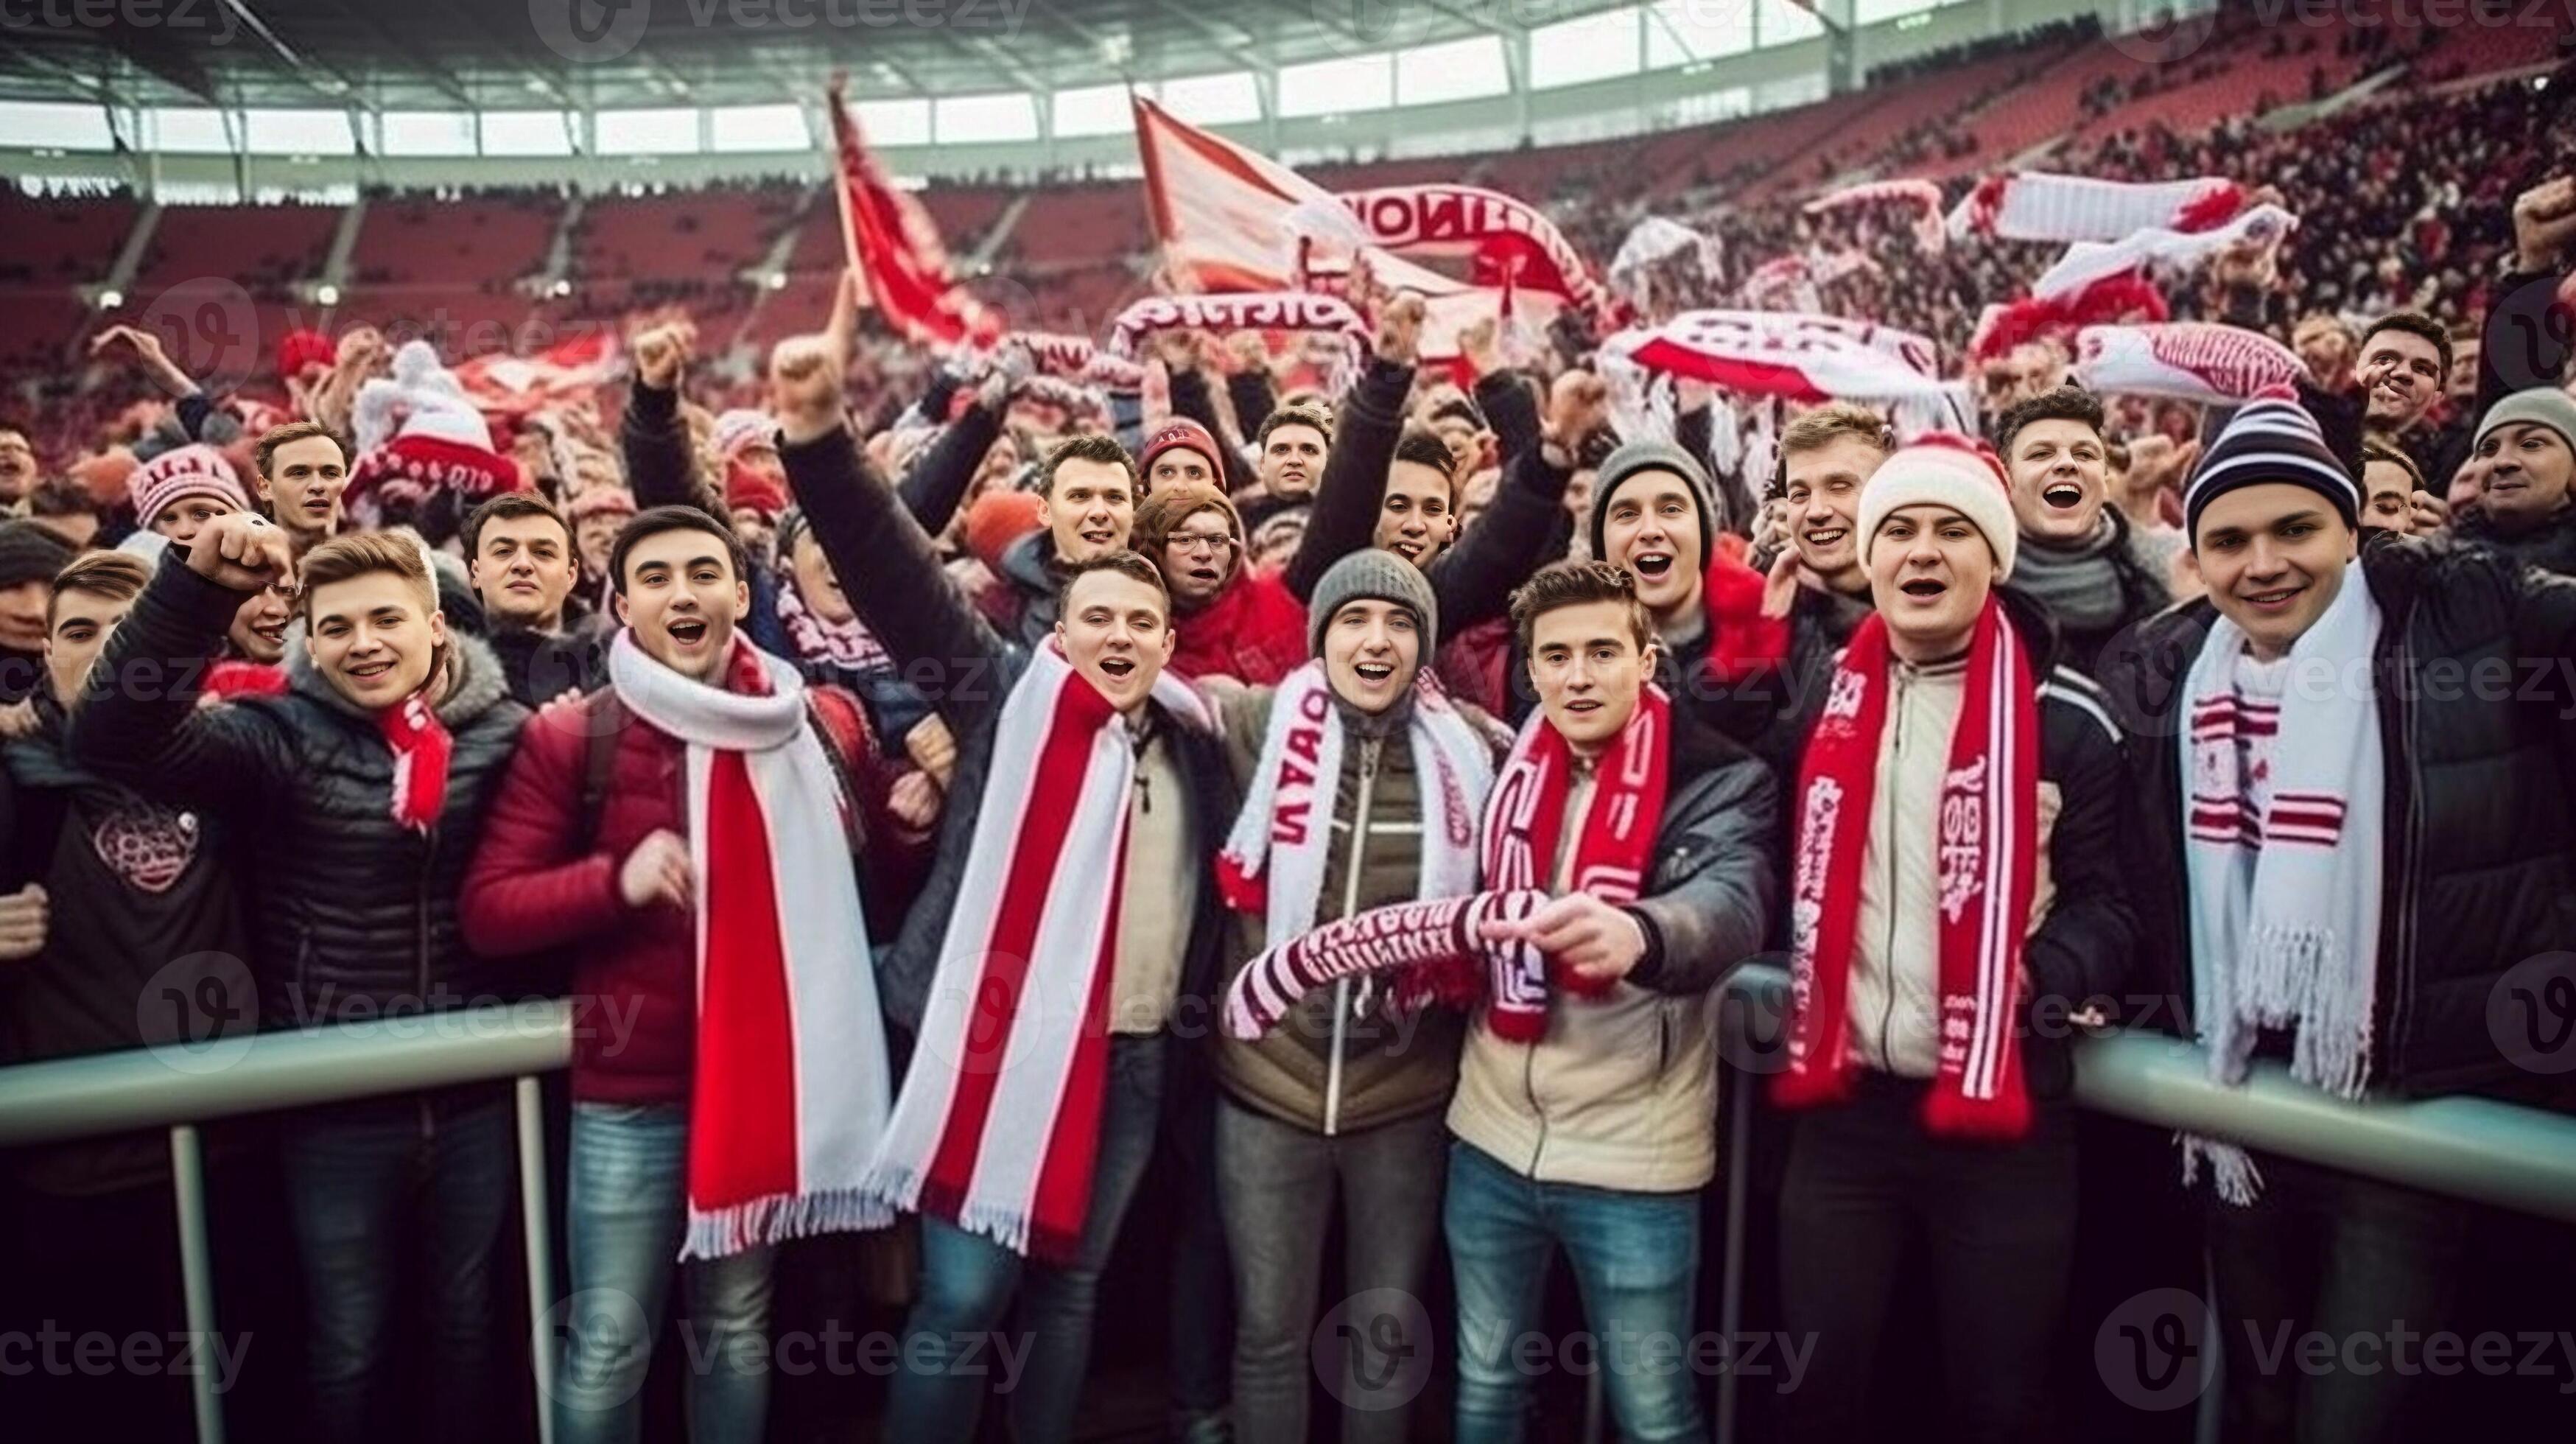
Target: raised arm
(139, 723)
(1366, 425)
(937, 482)
(660, 469)
(884, 558)
(1525, 527)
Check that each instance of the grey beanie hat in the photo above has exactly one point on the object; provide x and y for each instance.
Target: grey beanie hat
(2546, 405)
(1651, 455)
(1372, 576)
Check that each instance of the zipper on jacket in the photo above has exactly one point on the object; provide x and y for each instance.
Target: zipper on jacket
(420, 907)
(1887, 948)
(2409, 885)
(1369, 748)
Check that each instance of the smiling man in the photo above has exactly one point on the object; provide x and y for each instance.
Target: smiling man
(1957, 819)
(1088, 492)
(301, 469)
(1361, 789)
(2526, 458)
(662, 891)
(374, 770)
(2079, 554)
(2330, 824)
(1093, 780)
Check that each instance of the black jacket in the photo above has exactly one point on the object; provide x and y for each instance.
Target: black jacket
(2550, 546)
(1524, 529)
(352, 914)
(969, 670)
(1774, 708)
(2475, 692)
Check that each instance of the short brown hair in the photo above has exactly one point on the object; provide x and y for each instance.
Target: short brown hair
(1133, 565)
(2372, 449)
(2064, 403)
(1822, 427)
(1575, 584)
(1161, 514)
(359, 553)
(503, 507)
(2414, 323)
(1294, 416)
(117, 576)
(1090, 446)
(293, 431)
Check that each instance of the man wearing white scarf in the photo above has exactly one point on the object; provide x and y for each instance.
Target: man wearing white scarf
(693, 834)
(2351, 844)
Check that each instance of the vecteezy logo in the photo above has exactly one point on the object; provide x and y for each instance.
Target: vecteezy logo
(1373, 1351)
(587, 31)
(208, 327)
(198, 1013)
(596, 1338)
(2168, 37)
(2531, 1013)
(2153, 1351)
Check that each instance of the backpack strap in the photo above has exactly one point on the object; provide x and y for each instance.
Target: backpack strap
(604, 718)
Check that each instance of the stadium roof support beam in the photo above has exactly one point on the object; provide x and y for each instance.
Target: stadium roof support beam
(438, 78)
(1233, 49)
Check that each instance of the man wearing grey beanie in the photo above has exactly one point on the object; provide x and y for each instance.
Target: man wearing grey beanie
(2524, 459)
(1360, 789)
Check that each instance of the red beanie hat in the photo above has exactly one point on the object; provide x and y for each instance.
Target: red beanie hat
(299, 349)
(748, 488)
(1181, 431)
(997, 519)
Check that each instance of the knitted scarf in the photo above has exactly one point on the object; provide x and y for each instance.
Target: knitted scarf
(790, 1090)
(421, 749)
(2285, 897)
(1000, 1112)
(1273, 862)
(1988, 813)
(2079, 583)
(847, 644)
(1439, 944)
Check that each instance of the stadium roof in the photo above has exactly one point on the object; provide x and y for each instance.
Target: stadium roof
(585, 54)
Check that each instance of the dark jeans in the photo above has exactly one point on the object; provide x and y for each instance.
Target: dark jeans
(1278, 1183)
(952, 1350)
(2338, 1255)
(1635, 1258)
(370, 1187)
(1202, 1294)
(1866, 1185)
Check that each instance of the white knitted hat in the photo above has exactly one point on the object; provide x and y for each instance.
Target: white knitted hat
(1943, 468)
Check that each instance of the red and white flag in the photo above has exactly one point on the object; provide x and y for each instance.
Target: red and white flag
(895, 248)
(2038, 206)
(508, 384)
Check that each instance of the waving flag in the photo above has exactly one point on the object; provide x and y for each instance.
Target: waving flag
(896, 250)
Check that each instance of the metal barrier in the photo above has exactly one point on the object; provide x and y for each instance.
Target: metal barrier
(2473, 1148)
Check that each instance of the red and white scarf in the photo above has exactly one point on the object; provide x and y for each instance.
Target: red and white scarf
(2192, 361)
(847, 643)
(790, 1093)
(1507, 241)
(421, 750)
(2038, 206)
(1000, 1112)
(2155, 249)
(1524, 826)
(1256, 311)
(1987, 816)
(1921, 195)
(1273, 862)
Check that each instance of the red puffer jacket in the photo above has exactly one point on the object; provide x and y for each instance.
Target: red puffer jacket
(634, 974)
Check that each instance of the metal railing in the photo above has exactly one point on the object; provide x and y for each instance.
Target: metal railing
(2472, 1148)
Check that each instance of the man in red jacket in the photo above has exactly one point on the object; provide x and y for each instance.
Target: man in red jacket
(693, 832)
(1229, 618)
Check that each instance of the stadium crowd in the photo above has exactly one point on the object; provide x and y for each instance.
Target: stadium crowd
(950, 799)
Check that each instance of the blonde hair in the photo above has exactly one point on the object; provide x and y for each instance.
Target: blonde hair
(116, 576)
(1822, 427)
(359, 553)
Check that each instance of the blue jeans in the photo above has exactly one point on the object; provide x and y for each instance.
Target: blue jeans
(628, 1209)
(1636, 1263)
(952, 1349)
(366, 1184)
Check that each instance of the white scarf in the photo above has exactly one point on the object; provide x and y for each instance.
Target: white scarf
(2288, 937)
(1000, 1111)
(1286, 825)
(791, 1087)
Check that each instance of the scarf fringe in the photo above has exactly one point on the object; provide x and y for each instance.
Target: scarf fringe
(2290, 982)
(780, 1218)
(2232, 1174)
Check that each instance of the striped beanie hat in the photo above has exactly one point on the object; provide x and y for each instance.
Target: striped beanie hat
(2270, 439)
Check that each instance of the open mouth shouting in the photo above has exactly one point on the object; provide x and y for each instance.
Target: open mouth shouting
(1924, 590)
(1651, 566)
(2062, 495)
(1120, 668)
(1205, 574)
(688, 633)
